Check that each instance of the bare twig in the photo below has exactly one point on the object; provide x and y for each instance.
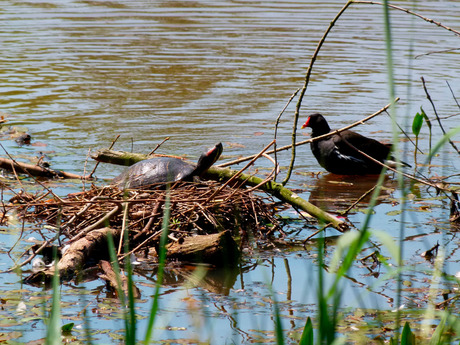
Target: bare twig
(304, 89)
(277, 123)
(436, 52)
(436, 113)
(404, 132)
(111, 145)
(452, 92)
(234, 177)
(98, 224)
(409, 12)
(158, 145)
(358, 200)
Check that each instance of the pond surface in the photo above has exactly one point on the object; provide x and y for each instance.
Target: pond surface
(75, 74)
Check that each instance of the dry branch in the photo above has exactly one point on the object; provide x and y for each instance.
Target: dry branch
(34, 170)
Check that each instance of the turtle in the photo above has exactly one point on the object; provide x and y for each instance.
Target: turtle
(160, 170)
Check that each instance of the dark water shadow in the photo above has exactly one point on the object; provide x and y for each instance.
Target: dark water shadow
(335, 193)
(216, 280)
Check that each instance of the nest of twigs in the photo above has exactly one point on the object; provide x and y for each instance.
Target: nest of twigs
(193, 208)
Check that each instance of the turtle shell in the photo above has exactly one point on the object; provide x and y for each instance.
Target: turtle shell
(159, 170)
(155, 170)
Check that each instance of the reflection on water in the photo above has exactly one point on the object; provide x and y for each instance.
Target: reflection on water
(336, 192)
(215, 280)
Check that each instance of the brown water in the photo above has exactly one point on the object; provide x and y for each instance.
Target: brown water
(78, 73)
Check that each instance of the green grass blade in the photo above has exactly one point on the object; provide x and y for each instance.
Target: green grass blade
(278, 325)
(53, 333)
(407, 337)
(440, 330)
(131, 317)
(307, 334)
(161, 266)
(121, 294)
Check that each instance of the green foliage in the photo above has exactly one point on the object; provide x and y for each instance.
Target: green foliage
(130, 323)
(417, 124)
(278, 325)
(307, 334)
(53, 334)
(407, 337)
(416, 127)
(67, 328)
(162, 261)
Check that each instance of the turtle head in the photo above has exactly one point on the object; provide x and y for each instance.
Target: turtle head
(208, 158)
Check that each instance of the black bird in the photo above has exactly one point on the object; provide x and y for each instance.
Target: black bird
(339, 153)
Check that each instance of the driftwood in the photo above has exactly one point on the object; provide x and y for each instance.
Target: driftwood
(220, 174)
(35, 170)
(218, 249)
(92, 247)
(110, 277)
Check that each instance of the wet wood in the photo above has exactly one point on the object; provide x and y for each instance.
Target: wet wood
(110, 277)
(35, 170)
(91, 247)
(81, 253)
(216, 249)
(123, 158)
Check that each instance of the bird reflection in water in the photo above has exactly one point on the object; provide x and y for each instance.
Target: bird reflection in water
(335, 193)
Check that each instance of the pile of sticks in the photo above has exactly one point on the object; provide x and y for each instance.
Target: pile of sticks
(191, 211)
(204, 219)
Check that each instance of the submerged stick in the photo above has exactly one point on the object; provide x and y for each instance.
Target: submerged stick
(437, 116)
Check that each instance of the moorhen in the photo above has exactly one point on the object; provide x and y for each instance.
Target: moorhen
(337, 153)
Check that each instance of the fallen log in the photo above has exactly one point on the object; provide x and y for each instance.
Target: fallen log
(223, 174)
(92, 247)
(35, 170)
(217, 249)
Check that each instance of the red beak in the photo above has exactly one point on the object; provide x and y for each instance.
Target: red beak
(306, 123)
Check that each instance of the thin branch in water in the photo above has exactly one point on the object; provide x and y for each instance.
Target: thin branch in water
(429, 20)
(436, 113)
(404, 132)
(314, 234)
(358, 200)
(453, 95)
(437, 52)
(277, 123)
(304, 89)
(33, 177)
(111, 145)
(158, 145)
